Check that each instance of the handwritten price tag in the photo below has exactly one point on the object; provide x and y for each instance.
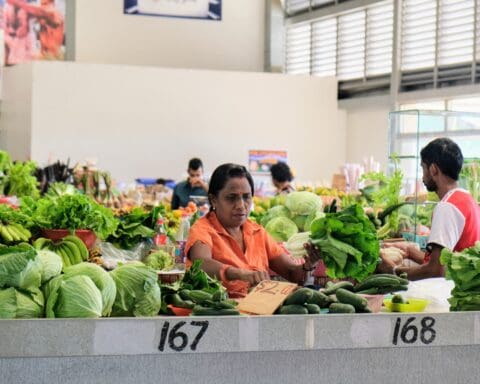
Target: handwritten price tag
(266, 297)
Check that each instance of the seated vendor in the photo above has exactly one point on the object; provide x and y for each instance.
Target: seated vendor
(234, 249)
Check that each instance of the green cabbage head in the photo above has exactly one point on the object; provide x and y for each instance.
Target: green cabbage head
(102, 280)
(20, 305)
(277, 211)
(72, 296)
(303, 203)
(138, 292)
(281, 228)
(51, 264)
(20, 267)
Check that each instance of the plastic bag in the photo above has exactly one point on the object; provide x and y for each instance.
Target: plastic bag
(112, 255)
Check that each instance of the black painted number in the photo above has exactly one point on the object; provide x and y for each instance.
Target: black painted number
(178, 340)
(409, 332)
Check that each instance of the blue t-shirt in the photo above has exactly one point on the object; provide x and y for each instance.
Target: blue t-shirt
(182, 193)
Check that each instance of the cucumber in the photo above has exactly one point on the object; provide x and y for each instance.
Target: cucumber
(218, 304)
(341, 308)
(399, 299)
(313, 309)
(320, 299)
(299, 297)
(380, 281)
(219, 296)
(198, 296)
(177, 301)
(347, 297)
(342, 284)
(198, 310)
(185, 294)
(369, 291)
(293, 309)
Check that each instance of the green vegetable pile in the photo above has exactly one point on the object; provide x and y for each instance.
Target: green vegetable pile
(348, 243)
(464, 269)
(71, 212)
(295, 214)
(195, 279)
(132, 229)
(160, 260)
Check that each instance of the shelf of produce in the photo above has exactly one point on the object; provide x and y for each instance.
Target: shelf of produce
(436, 347)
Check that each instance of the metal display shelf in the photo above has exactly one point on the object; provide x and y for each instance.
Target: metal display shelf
(367, 348)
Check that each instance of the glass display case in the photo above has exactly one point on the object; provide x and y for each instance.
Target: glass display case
(411, 130)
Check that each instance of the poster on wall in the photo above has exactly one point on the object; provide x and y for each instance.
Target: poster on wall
(260, 161)
(33, 30)
(193, 9)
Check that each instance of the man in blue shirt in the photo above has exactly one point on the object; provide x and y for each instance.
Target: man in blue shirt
(193, 186)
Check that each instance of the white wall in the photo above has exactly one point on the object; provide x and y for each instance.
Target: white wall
(367, 134)
(147, 122)
(103, 34)
(16, 116)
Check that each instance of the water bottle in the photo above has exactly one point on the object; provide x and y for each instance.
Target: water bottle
(160, 237)
(181, 239)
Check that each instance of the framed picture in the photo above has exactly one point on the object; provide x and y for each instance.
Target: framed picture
(33, 30)
(192, 9)
(260, 161)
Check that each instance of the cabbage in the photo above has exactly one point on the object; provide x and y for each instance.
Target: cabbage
(295, 245)
(281, 228)
(312, 216)
(51, 264)
(138, 292)
(102, 280)
(303, 203)
(300, 221)
(20, 267)
(19, 305)
(73, 296)
(277, 211)
(160, 260)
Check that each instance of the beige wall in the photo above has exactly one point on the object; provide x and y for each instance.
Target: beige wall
(16, 115)
(147, 122)
(367, 134)
(103, 34)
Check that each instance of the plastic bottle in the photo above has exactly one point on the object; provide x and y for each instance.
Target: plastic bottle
(181, 239)
(160, 237)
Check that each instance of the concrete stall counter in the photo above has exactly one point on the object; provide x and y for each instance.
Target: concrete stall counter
(382, 348)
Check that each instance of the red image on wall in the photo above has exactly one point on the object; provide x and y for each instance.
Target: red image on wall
(33, 30)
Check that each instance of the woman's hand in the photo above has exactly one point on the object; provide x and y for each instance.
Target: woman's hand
(313, 256)
(251, 277)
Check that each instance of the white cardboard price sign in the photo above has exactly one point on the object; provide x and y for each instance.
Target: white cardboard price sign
(266, 297)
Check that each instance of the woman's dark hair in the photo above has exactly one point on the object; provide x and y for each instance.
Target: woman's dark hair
(281, 172)
(225, 172)
(195, 164)
(445, 154)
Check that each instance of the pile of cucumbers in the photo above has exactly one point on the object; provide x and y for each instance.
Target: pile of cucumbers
(337, 298)
(203, 303)
(381, 284)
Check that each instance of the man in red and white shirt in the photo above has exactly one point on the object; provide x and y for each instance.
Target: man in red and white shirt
(456, 218)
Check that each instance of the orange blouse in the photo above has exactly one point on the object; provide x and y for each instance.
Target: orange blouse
(259, 248)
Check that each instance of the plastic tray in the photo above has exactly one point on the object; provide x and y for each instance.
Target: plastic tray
(414, 305)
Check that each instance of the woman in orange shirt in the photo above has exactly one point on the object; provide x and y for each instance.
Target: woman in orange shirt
(233, 248)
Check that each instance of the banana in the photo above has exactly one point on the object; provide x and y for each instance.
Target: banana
(80, 245)
(5, 234)
(13, 232)
(65, 258)
(41, 243)
(26, 234)
(72, 253)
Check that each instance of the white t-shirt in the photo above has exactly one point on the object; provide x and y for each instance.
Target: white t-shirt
(448, 222)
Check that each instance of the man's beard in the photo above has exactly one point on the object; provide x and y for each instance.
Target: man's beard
(430, 185)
